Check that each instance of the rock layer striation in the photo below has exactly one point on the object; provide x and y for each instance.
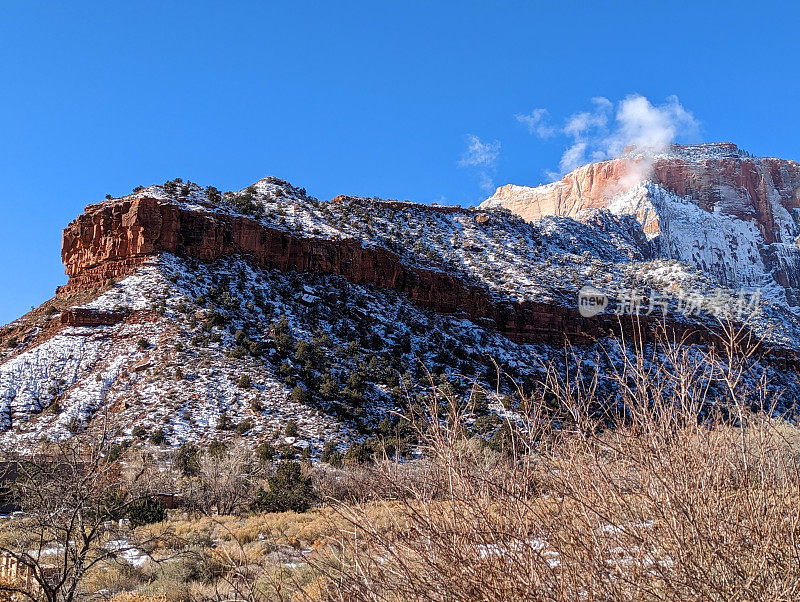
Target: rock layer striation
(111, 239)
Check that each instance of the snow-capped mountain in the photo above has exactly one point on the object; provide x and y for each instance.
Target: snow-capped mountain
(734, 217)
(190, 315)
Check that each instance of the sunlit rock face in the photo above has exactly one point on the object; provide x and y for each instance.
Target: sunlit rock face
(732, 216)
(176, 292)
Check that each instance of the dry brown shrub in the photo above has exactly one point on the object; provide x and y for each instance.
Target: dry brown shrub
(661, 495)
(136, 597)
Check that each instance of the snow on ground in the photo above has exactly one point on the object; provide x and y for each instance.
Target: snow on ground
(128, 552)
(175, 366)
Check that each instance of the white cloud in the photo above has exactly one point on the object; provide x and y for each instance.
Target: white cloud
(651, 128)
(578, 124)
(487, 181)
(601, 102)
(482, 155)
(537, 124)
(636, 122)
(574, 156)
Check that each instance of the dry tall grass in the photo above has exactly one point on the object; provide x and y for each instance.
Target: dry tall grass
(665, 475)
(685, 487)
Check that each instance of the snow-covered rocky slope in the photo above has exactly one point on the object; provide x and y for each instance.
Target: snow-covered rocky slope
(734, 217)
(213, 350)
(217, 333)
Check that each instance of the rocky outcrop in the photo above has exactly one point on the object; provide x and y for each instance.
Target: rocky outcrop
(717, 176)
(109, 240)
(588, 187)
(84, 316)
(741, 227)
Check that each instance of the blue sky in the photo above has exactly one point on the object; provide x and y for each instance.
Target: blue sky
(367, 98)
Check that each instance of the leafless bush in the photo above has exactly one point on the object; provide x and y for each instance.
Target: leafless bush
(367, 483)
(72, 495)
(682, 486)
(226, 480)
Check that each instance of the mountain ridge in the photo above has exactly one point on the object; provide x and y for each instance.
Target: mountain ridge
(746, 207)
(195, 315)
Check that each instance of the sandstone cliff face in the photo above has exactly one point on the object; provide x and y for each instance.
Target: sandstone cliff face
(80, 316)
(588, 187)
(739, 225)
(109, 240)
(727, 181)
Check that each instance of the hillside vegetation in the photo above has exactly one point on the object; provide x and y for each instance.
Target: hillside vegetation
(663, 493)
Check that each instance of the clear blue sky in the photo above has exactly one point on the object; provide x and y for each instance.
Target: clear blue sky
(368, 98)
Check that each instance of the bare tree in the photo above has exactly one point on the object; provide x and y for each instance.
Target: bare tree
(226, 480)
(72, 497)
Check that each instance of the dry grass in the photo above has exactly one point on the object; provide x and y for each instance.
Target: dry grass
(683, 486)
(667, 497)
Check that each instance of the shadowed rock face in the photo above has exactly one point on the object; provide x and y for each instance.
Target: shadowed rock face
(747, 222)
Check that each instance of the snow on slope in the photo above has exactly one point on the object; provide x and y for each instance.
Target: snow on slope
(195, 329)
(719, 245)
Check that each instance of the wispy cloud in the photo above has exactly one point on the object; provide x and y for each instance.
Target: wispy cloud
(483, 156)
(480, 153)
(537, 123)
(604, 131)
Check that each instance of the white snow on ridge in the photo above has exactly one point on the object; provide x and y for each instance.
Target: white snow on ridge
(719, 245)
(27, 380)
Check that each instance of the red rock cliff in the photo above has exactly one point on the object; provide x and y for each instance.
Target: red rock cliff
(717, 176)
(111, 239)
